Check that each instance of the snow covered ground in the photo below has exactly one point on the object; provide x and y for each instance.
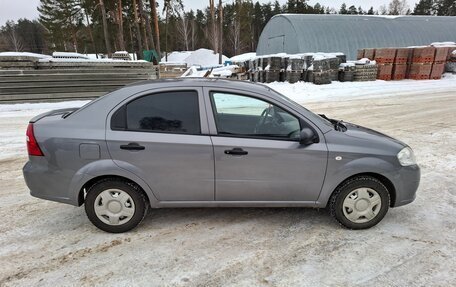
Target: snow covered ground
(303, 92)
(43, 242)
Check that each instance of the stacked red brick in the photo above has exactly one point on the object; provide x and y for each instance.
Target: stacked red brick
(400, 64)
(421, 63)
(418, 63)
(385, 59)
(438, 67)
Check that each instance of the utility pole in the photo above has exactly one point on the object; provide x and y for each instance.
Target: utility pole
(220, 31)
(166, 35)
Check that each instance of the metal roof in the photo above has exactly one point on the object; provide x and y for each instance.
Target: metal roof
(301, 33)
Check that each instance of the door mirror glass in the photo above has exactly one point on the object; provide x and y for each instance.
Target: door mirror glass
(307, 136)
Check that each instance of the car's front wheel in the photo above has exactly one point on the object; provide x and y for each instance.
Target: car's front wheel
(360, 202)
(115, 205)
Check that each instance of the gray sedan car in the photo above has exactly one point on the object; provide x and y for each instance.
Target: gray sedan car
(212, 143)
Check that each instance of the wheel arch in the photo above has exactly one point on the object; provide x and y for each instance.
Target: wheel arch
(383, 179)
(83, 190)
(99, 170)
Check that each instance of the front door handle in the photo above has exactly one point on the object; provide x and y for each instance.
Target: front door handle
(236, 151)
(132, 146)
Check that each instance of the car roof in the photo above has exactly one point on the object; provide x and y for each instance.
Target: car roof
(203, 82)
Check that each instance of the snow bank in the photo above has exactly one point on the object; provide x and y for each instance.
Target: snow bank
(176, 57)
(302, 92)
(201, 57)
(205, 58)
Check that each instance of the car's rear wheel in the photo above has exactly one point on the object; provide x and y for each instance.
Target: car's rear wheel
(115, 205)
(360, 202)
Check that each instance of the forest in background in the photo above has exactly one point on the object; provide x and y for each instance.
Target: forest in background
(105, 26)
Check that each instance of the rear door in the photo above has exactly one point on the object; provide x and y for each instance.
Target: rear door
(161, 136)
(257, 152)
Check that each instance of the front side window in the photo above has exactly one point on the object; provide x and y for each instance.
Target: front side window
(174, 112)
(251, 117)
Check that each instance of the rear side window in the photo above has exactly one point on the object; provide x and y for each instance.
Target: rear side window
(173, 112)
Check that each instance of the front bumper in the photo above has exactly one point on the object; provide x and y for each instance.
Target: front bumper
(406, 182)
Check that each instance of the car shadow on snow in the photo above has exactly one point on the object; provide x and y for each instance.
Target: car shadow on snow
(229, 217)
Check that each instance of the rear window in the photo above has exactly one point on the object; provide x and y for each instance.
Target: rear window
(173, 112)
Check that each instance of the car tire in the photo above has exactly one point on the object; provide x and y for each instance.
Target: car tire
(360, 202)
(115, 206)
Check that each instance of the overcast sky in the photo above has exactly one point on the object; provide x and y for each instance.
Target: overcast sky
(16, 9)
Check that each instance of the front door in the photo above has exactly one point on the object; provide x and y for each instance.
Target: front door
(160, 138)
(258, 156)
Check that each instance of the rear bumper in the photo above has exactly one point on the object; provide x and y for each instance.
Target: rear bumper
(406, 183)
(46, 184)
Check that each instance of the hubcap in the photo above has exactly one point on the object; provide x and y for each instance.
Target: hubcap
(362, 205)
(114, 207)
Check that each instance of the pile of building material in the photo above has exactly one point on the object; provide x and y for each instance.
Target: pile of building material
(450, 65)
(121, 55)
(172, 70)
(347, 72)
(296, 69)
(318, 68)
(30, 77)
(427, 62)
(418, 63)
(365, 70)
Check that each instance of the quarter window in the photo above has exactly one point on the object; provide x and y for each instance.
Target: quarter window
(174, 112)
(251, 117)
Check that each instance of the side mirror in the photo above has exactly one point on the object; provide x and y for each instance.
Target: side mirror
(306, 136)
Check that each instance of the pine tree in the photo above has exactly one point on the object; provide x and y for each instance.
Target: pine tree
(352, 10)
(302, 7)
(62, 18)
(446, 7)
(318, 9)
(424, 7)
(360, 11)
(277, 9)
(371, 11)
(291, 6)
(343, 9)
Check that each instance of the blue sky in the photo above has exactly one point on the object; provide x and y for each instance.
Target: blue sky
(15, 9)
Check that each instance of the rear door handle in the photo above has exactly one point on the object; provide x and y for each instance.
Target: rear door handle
(132, 146)
(236, 151)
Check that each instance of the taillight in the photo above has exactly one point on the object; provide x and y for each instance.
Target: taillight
(32, 145)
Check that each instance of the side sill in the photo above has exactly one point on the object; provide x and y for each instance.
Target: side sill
(173, 204)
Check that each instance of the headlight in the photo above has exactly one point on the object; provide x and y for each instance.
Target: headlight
(406, 157)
